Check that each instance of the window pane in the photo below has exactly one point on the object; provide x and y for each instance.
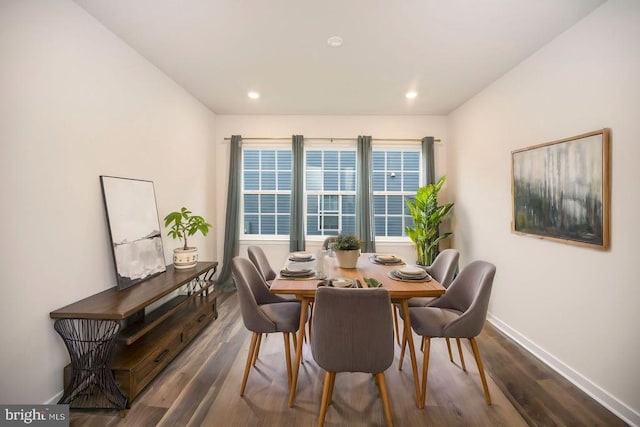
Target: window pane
(394, 226)
(330, 203)
(380, 225)
(394, 183)
(268, 181)
(331, 181)
(314, 180)
(394, 205)
(283, 202)
(349, 204)
(267, 203)
(394, 161)
(284, 223)
(268, 224)
(312, 225)
(331, 160)
(348, 224)
(348, 160)
(378, 181)
(378, 160)
(268, 160)
(406, 209)
(284, 181)
(284, 160)
(312, 204)
(314, 158)
(379, 205)
(408, 221)
(347, 181)
(411, 161)
(251, 180)
(251, 159)
(330, 222)
(251, 203)
(251, 225)
(411, 181)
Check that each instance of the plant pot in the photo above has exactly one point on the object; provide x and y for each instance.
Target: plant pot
(185, 258)
(347, 259)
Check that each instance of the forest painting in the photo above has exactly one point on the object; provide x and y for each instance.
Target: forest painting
(561, 190)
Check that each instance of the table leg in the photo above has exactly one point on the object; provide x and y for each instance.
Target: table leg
(304, 303)
(412, 350)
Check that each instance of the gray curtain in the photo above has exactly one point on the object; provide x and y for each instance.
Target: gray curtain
(232, 226)
(428, 160)
(364, 200)
(296, 237)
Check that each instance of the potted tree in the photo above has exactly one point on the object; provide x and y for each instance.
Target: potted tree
(347, 250)
(181, 225)
(427, 216)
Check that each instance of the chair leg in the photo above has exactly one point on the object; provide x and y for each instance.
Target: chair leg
(255, 353)
(404, 345)
(425, 370)
(287, 355)
(331, 384)
(327, 390)
(382, 385)
(476, 354)
(464, 368)
(449, 350)
(294, 339)
(395, 321)
(252, 347)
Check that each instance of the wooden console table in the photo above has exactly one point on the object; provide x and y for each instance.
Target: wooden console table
(116, 348)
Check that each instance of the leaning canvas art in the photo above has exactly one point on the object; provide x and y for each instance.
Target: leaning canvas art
(134, 228)
(561, 190)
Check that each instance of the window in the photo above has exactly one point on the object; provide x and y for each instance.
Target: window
(396, 178)
(330, 191)
(266, 191)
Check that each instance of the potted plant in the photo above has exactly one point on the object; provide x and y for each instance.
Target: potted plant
(181, 225)
(347, 250)
(427, 216)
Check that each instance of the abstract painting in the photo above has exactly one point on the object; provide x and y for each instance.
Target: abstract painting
(561, 190)
(134, 228)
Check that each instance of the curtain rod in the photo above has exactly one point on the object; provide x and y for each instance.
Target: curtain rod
(288, 138)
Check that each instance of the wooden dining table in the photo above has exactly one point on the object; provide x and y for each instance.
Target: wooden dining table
(399, 292)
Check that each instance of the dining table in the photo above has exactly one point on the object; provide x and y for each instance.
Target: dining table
(304, 288)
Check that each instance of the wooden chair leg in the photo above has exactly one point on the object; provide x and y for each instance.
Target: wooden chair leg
(476, 354)
(255, 353)
(425, 370)
(294, 339)
(331, 384)
(449, 350)
(326, 396)
(464, 368)
(382, 385)
(287, 355)
(404, 345)
(395, 321)
(252, 347)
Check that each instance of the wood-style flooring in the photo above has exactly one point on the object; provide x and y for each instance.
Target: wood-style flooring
(201, 388)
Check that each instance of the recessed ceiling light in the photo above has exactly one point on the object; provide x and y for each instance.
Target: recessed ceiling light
(253, 95)
(411, 94)
(334, 41)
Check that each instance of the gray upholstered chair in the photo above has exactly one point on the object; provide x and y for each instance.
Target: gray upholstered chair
(327, 242)
(263, 312)
(352, 332)
(460, 313)
(259, 259)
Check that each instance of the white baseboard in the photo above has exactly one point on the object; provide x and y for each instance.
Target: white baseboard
(619, 408)
(54, 399)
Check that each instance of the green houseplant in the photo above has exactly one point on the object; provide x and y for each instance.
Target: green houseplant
(183, 224)
(347, 250)
(427, 216)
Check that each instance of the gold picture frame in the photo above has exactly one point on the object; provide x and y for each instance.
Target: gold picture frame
(561, 190)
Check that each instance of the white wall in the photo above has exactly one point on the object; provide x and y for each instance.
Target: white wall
(576, 307)
(75, 103)
(274, 126)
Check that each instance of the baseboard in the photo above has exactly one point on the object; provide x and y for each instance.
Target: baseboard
(54, 399)
(619, 408)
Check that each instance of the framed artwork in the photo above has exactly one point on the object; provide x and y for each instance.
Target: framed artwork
(134, 229)
(561, 190)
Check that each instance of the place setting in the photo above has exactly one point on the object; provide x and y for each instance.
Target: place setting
(301, 257)
(386, 259)
(410, 273)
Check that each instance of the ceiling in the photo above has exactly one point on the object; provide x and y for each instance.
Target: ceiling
(445, 50)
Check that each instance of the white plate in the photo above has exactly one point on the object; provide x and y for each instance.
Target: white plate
(387, 257)
(342, 282)
(412, 270)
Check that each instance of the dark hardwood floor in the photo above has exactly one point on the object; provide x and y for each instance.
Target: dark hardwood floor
(201, 388)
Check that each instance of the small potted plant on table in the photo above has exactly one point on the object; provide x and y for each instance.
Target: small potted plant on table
(347, 250)
(181, 225)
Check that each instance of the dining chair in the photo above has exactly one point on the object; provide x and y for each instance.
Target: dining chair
(459, 313)
(327, 242)
(263, 312)
(259, 259)
(352, 332)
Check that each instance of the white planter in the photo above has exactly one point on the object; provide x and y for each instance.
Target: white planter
(185, 258)
(347, 259)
